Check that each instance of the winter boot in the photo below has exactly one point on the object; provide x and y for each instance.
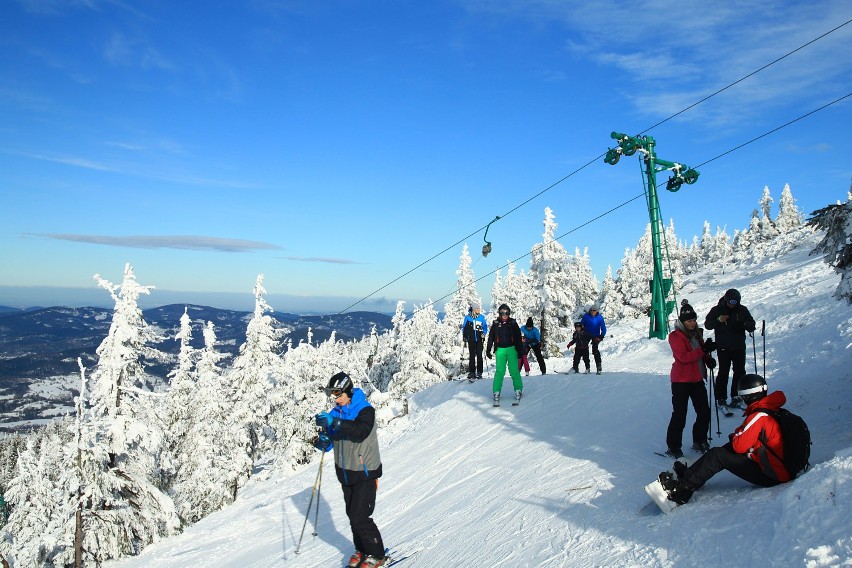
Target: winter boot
(478, 375)
(674, 453)
(576, 370)
(355, 559)
(373, 562)
(496, 399)
(588, 370)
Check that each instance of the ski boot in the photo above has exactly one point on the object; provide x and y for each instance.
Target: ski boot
(518, 395)
(355, 559)
(576, 370)
(496, 399)
(373, 562)
(674, 453)
(701, 447)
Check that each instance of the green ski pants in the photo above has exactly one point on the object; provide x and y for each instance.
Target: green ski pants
(507, 356)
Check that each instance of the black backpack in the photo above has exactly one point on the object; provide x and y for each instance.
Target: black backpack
(796, 439)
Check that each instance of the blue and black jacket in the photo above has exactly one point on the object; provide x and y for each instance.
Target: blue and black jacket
(356, 446)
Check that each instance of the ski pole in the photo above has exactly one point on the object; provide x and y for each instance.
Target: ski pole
(718, 427)
(754, 351)
(319, 489)
(763, 335)
(310, 502)
(710, 400)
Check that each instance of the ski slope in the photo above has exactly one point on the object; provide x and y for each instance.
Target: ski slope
(558, 481)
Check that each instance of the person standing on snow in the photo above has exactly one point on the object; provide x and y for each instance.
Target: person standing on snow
(474, 330)
(350, 429)
(594, 324)
(580, 340)
(730, 320)
(533, 337)
(751, 454)
(689, 371)
(505, 337)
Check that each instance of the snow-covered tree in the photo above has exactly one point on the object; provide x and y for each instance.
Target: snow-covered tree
(550, 272)
(420, 364)
(179, 401)
(836, 221)
(767, 227)
(254, 373)
(611, 299)
(215, 459)
(789, 217)
(584, 282)
(465, 295)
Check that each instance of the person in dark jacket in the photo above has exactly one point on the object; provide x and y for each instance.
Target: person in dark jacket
(350, 429)
(594, 323)
(689, 371)
(474, 330)
(755, 450)
(505, 337)
(580, 340)
(729, 320)
(533, 337)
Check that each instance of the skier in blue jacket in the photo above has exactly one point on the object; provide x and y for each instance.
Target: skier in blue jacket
(474, 331)
(533, 337)
(350, 429)
(594, 324)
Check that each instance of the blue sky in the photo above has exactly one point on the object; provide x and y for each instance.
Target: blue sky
(333, 146)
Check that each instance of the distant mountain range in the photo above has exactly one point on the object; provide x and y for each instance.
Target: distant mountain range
(39, 347)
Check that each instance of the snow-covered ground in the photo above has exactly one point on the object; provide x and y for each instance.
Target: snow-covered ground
(558, 481)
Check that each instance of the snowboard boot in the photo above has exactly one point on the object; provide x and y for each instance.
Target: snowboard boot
(681, 494)
(355, 559)
(667, 480)
(680, 469)
(373, 562)
(496, 399)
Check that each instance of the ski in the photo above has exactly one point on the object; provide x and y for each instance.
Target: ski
(726, 410)
(398, 560)
(662, 455)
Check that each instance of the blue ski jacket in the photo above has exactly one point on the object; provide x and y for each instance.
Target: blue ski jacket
(594, 325)
(356, 446)
(474, 328)
(533, 335)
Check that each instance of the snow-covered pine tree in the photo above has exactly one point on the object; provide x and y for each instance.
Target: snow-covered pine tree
(255, 372)
(465, 294)
(789, 217)
(836, 221)
(611, 300)
(768, 231)
(216, 456)
(584, 282)
(419, 348)
(637, 267)
(550, 272)
(179, 403)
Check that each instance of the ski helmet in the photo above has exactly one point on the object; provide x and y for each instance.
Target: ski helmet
(339, 383)
(504, 308)
(751, 388)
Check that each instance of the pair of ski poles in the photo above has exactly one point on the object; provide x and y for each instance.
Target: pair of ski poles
(316, 490)
(754, 348)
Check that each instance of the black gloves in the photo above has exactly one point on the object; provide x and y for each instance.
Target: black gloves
(711, 363)
(709, 346)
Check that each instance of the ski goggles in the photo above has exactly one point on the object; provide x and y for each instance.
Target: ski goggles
(732, 302)
(333, 393)
(504, 312)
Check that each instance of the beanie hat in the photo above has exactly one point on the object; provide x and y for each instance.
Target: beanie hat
(475, 306)
(733, 296)
(686, 311)
(593, 308)
(529, 322)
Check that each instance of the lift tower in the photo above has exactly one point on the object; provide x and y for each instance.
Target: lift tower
(661, 286)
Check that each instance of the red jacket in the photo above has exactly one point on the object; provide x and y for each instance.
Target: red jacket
(687, 359)
(759, 431)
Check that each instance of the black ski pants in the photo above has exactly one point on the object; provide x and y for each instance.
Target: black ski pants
(728, 358)
(474, 361)
(682, 393)
(536, 348)
(596, 353)
(360, 501)
(581, 354)
(721, 458)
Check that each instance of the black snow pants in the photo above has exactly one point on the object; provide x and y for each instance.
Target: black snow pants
(360, 501)
(681, 395)
(721, 458)
(728, 358)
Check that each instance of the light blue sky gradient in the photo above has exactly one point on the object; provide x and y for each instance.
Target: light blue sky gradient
(333, 146)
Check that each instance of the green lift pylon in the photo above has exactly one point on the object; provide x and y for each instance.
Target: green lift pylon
(661, 286)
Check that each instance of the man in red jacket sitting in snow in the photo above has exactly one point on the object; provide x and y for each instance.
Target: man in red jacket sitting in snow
(754, 453)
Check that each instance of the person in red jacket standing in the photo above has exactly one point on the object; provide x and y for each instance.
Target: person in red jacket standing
(754, 453)
(689, 372)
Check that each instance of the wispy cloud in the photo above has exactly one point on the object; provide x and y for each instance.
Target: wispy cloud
(123, 51)
(320, 259)
(180, 242)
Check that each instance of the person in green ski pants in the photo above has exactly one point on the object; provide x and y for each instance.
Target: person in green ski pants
(505, 335)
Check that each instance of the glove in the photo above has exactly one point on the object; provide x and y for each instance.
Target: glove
(709, 346)
(711, 363)
(488, 354)
(323, 442)
(327, 422)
